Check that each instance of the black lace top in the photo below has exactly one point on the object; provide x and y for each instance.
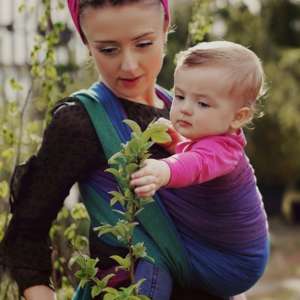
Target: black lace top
(70, 151)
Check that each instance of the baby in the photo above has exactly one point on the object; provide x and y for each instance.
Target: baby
(216, 87)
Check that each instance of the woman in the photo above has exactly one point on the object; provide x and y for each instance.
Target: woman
(126, 41)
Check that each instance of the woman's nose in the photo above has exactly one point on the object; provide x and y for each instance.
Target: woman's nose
(129, 62)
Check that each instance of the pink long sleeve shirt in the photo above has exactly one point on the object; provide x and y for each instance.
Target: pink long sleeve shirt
(204, 159)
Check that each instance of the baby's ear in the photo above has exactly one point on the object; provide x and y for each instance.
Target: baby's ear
(242, 116)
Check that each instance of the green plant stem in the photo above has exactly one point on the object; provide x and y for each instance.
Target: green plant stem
(132, 209)
(132, 261)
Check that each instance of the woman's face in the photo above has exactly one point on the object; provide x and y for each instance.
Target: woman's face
(127, 45)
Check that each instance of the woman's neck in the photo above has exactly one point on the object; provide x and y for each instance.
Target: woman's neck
(150, 99)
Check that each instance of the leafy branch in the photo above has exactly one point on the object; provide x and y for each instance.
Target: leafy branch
(123, 164)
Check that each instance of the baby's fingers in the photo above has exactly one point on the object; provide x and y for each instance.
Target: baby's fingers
(140, 173)
(142, 181)
(146, 190)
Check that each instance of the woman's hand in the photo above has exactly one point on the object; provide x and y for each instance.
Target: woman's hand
(153, 175)
(39, 292)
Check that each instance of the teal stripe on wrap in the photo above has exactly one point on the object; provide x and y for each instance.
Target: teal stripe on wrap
(153, 219)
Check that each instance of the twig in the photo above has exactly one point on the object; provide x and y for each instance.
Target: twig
(19, 144)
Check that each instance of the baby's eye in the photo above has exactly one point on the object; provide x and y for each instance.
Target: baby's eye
(179, 97)
(203, 104)
(109, 50)
(144, 44)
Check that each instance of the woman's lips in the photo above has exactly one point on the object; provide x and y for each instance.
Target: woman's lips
(130, 82)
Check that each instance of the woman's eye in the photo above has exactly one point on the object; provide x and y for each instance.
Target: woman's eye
(109, 50)
(144, 44)
(203, 104)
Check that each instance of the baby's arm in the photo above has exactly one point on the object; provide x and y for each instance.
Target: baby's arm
(153, 175)
(207, 159)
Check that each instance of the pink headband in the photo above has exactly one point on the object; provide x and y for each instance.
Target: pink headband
(74, 11)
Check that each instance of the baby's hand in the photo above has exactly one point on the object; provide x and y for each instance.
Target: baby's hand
(175, 136)
(153, 175)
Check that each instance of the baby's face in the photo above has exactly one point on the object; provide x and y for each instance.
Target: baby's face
(201, 106)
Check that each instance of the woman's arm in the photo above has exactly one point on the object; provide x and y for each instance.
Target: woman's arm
(39, 292)
(70, 149)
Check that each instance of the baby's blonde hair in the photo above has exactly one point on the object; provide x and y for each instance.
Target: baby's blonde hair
(243, 67)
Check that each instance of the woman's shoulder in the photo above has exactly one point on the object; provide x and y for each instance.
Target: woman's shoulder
(68, 105)
(69, 115)
(69, 127)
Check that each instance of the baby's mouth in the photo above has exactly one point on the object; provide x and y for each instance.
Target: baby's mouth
(183, 123)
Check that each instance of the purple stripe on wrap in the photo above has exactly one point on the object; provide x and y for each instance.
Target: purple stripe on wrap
(226, 212)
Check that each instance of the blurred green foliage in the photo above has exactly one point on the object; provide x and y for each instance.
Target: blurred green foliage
(273, 33)
(271, 28)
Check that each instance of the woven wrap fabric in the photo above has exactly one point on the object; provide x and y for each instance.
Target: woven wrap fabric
(74, 11)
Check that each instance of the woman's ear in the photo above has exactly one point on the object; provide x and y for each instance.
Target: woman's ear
(166, 27)
(242, 116)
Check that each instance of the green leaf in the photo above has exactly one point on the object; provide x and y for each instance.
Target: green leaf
(8, 153)
(160, 137)
(113, 171)
(123, 262)
(54, 230)
(13, 109)
(132, 167)
(15, 85)
(139, 250)
(111, 294)
(82, 282)
(4, 189)
(116, 158)
(133, 147)
(157, 132)
(63, 214)
(79, 212)
(96, 290)
(80, 242)
(51, 72)
(133, 125)
(117, 197)
(21, 7)
(104, 229)
(70, 232)
(103, 282)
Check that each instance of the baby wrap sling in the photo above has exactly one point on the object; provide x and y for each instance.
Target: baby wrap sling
(158, 233)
